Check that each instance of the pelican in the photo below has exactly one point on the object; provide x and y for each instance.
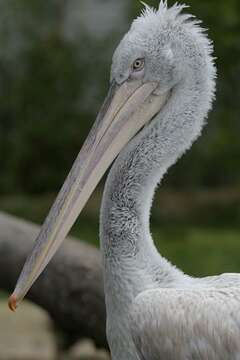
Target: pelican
(162, 88)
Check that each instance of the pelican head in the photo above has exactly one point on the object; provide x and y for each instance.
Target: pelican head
(152, 60)
(146, 53)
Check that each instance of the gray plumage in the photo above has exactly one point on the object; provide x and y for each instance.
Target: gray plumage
(155, 311)
(162, 88)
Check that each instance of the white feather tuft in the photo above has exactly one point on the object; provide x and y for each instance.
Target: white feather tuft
(147, 9)
(174, 18)
(163, 5)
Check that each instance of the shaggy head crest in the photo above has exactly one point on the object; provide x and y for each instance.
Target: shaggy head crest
(173, 14)
(173, 19)
(172, 43)
(164, 10)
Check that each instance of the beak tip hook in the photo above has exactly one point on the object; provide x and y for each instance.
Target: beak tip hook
(12, 303)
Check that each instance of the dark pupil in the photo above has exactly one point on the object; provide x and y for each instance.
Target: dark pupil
(138, 63)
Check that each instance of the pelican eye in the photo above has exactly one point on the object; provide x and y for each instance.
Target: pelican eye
(138, 64)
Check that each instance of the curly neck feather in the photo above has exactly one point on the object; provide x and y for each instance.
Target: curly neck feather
(141, 165)
(132, 264)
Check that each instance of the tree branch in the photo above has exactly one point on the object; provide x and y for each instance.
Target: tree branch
(70, 289)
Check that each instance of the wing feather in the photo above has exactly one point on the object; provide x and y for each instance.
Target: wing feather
(186, 324)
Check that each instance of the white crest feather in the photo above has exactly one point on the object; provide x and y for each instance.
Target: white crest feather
(173, 17)
(147, 9)
(163, 5)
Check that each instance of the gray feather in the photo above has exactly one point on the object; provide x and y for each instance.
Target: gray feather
(154, 310)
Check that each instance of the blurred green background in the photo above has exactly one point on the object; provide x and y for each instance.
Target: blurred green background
(55, 58)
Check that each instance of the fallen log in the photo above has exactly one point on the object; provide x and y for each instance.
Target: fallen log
(70, 289)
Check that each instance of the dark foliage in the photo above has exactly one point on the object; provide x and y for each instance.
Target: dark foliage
(53, 77)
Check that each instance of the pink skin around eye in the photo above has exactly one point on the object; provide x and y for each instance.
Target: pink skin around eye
(138, 69)
(138, 65)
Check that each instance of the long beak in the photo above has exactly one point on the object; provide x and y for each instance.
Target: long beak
(125, 111)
